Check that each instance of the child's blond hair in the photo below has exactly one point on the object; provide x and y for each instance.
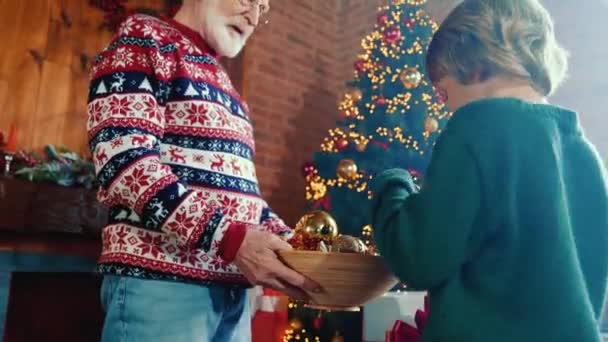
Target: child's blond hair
(480, 39)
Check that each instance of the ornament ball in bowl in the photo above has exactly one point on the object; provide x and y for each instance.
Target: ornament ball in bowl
(348, 276)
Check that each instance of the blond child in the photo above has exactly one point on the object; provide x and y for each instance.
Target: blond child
(509, 233)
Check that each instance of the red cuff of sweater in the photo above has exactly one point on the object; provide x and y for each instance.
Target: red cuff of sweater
(232, 241)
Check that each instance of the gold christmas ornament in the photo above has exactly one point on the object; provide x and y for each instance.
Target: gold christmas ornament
(348, 244)
(317, 225)
(410, 78)
(431, 125)
(347, 169)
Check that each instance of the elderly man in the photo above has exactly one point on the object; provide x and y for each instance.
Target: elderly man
(173, 148)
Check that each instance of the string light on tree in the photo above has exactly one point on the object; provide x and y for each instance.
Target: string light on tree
(431, 125)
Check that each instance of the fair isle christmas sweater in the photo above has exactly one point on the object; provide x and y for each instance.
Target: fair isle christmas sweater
(173, 149)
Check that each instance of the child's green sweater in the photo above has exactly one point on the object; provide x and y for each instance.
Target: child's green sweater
(510, 230)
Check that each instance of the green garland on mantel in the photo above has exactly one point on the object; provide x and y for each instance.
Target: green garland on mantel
(59, 166)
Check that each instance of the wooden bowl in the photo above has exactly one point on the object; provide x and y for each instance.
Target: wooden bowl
(348, 280)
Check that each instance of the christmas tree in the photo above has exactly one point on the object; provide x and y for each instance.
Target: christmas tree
(389, 118)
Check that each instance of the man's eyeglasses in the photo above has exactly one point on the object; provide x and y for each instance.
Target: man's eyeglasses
(262, 8)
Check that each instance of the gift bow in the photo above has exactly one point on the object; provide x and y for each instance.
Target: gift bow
(403, 332)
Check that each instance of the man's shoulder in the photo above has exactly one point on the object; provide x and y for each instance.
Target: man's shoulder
(148, 27)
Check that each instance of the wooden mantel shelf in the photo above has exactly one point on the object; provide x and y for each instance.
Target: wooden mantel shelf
(48, 219)
(27, 207)
(49, 244)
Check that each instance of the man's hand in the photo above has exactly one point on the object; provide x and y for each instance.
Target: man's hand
(257, 259)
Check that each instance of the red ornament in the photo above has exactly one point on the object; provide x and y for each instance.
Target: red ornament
(409, 23)
(383, 19)
(26, 159)
(342, 144)
(317, 323)
(308, 168)
(302, 242)
(381, 101)
(360, 66)
(392, 35)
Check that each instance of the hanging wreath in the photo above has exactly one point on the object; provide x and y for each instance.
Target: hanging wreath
(116, 11)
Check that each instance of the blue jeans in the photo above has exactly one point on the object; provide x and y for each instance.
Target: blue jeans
(142, 310)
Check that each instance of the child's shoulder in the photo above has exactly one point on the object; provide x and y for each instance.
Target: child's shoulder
(503, 116)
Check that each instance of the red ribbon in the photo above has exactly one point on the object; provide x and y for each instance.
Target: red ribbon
(403, 332)
(381, 144)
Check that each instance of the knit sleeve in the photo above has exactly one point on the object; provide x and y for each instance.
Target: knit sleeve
(272, 223)
(130, 83)
(425, 236)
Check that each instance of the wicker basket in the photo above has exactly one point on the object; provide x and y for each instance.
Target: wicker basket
(27, 207)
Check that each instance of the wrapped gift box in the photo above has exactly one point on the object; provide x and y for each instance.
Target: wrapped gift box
(269, 315)
(380, 315)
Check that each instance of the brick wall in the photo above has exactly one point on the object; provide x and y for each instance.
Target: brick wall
(358, 19)
(295, 72)
(293, 76)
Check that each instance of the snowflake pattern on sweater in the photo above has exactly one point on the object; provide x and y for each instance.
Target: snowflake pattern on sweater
(173, 149)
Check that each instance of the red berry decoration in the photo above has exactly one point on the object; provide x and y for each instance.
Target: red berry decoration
(308, 168)
(381, 101)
